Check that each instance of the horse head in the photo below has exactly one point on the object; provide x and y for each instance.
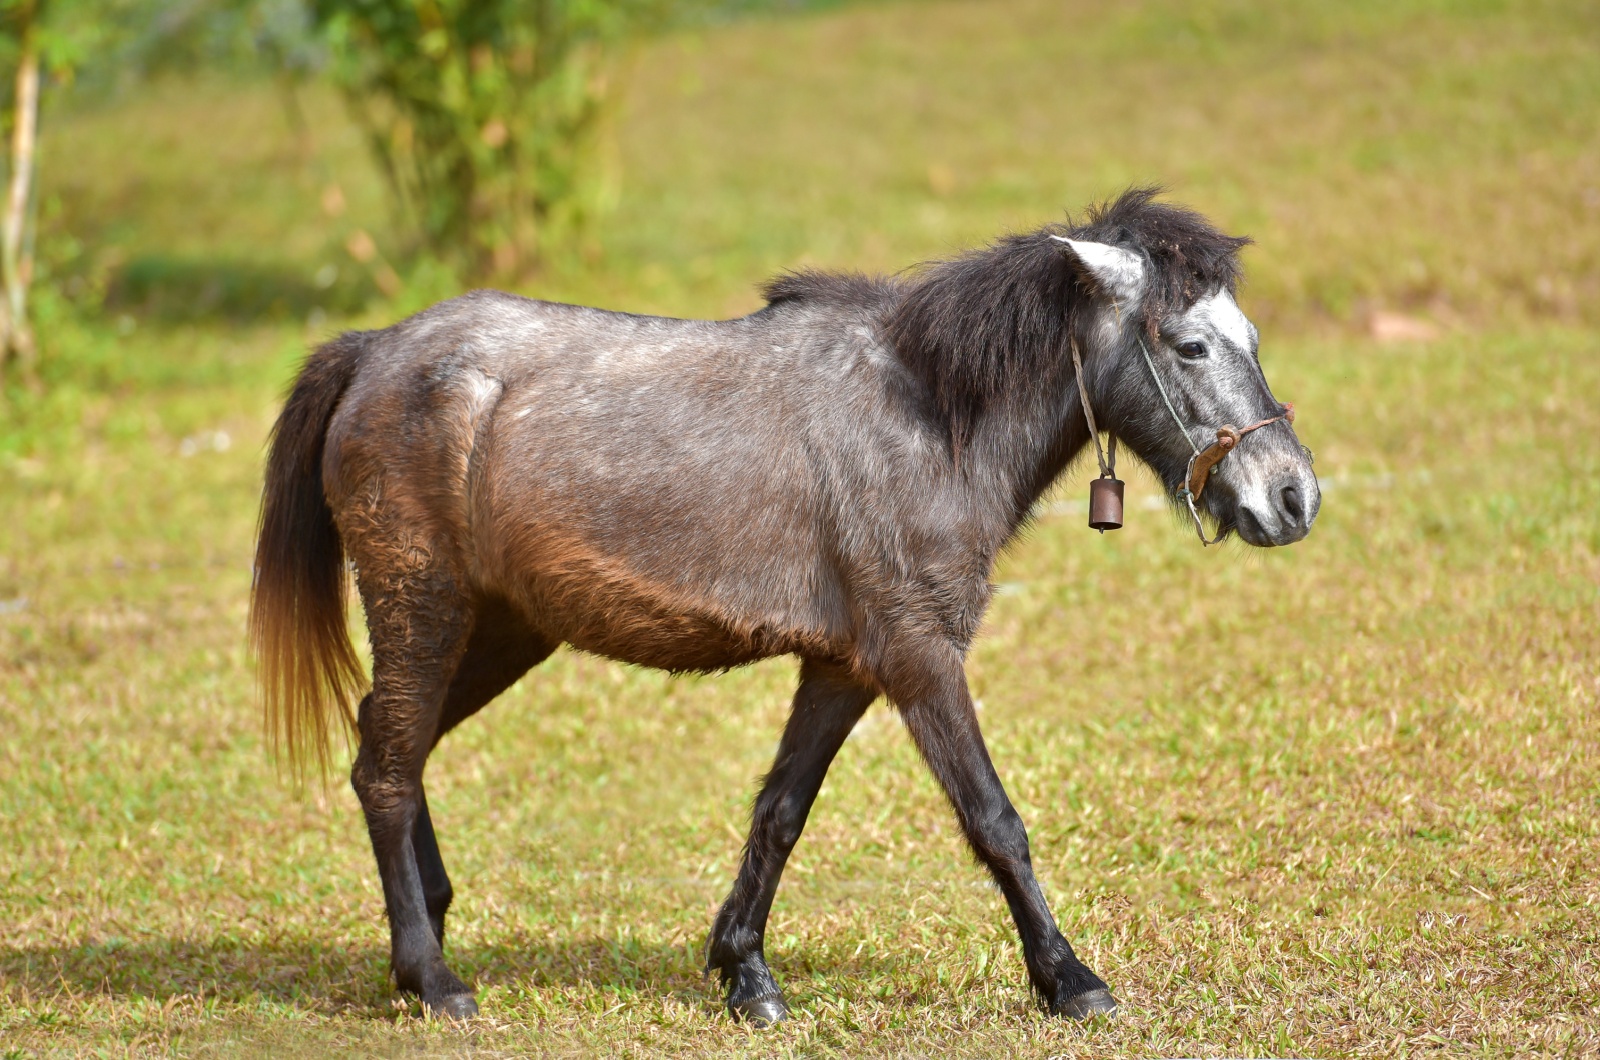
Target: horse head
(1173, 372)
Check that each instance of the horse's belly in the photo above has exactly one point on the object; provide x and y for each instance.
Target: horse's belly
(598, 606)
(677, 642)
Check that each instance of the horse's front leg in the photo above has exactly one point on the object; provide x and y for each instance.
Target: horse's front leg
(826, 707)
(931, 692)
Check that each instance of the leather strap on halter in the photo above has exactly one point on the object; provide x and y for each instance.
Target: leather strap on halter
(1228, 436)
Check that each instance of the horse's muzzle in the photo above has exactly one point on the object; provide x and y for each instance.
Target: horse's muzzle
(1283, 512)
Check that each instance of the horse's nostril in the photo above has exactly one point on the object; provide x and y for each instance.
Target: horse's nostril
(1293, 506)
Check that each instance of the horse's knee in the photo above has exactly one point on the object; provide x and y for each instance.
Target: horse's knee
(786, 819)
(1002, 837)
(395, 733)
(387, 795)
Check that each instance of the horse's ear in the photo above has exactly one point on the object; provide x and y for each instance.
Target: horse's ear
(1118, 272)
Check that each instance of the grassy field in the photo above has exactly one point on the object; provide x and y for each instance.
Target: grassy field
(1338, 800)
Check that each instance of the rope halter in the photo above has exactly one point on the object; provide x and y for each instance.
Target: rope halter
(1204, 461)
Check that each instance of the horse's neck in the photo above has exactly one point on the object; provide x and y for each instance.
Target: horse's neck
(1025, 441)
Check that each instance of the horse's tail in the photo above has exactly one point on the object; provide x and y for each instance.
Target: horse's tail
(297, 602)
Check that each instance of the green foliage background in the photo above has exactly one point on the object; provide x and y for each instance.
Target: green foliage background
(482, 114)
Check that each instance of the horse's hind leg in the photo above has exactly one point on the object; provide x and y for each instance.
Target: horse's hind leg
(437, 894)
(501, 649)
(826, 707)
(419, 621)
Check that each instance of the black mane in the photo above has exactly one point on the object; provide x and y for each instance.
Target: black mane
(834, 288)
(969, 325)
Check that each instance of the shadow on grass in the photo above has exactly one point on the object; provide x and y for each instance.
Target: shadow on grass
(177, 290)
(316, 976)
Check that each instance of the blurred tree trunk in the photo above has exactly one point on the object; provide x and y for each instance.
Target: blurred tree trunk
(16, 255)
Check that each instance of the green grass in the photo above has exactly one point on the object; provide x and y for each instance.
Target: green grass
(1339, 799)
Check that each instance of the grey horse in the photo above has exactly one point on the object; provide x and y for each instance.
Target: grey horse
(831, 477)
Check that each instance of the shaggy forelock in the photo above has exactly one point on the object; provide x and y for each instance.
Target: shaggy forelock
(1188, 257)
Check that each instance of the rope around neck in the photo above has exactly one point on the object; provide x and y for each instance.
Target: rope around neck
(1106, 470)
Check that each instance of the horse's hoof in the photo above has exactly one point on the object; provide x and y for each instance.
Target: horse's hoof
(1091, 1004)
(453, 1007)
(759, 1011)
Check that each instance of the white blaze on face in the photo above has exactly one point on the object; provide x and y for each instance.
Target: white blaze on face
(1222, 314)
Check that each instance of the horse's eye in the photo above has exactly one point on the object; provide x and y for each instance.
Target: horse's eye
(1192, 350)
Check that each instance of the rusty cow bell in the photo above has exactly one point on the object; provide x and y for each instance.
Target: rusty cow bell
(1105, 504)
